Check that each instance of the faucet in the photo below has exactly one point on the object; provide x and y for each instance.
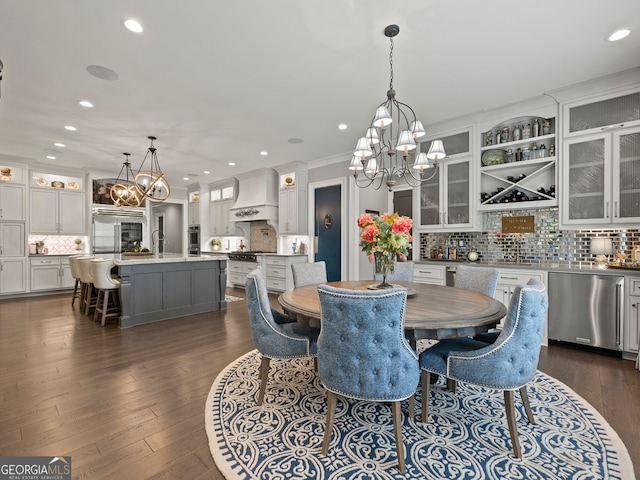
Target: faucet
(159, 238)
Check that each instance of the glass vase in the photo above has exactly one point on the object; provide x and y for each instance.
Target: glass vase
(384, 264)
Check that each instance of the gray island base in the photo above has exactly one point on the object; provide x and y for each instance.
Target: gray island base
(162, 287)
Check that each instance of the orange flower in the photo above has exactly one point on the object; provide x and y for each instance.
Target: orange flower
(369, 233)
(364, 219)
(401, 225)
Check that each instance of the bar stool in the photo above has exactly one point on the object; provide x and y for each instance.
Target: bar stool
(105, 284)
(88, 295)
(75, 273)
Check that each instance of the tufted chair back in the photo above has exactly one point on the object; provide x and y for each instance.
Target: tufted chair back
(402, 272)
(512, 360)
(308, 273)
(477, 279)
(363, 353)
(274, 334)
(507, 364)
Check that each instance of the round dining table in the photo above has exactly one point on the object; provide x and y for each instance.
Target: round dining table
(432, 311)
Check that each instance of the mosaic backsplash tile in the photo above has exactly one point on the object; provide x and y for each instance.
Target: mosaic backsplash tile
(548, 243)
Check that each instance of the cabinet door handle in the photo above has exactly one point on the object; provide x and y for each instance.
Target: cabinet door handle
(615, 209)
(608, 127)
(606, 210)
(46, 261)
(508, 278)
(618, 310)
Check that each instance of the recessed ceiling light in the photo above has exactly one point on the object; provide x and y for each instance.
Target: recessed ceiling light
(185, 178)
(264, 154)
(133, 25)
(58, 144)
(342, 126)
(51, 157)
(232, 164)
(619, 34)
(71, 128)
(206, 172)
(86, 103)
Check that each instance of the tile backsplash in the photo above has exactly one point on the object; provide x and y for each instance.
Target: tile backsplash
(547, 243)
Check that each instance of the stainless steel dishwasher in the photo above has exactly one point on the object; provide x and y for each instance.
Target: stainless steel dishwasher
(586, 309)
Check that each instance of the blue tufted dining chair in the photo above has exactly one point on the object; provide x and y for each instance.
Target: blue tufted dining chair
(308, 273)
(508, 364)
(363, 353)
(273, 333)
(402, 272)
(477, 279)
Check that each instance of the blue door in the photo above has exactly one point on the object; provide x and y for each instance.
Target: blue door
(328, 225)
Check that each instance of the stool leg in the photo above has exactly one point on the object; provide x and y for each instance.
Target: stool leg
(105, 304)
(75, 292)
(97, 309)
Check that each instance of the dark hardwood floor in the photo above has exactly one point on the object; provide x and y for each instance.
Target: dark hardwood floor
(130, 403)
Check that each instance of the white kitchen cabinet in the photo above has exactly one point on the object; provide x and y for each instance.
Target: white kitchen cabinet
(50, 273)
(12, 201)
(600, 176)
(223, 196)
(12, 239)
(632, 325)
(238, 271)
(57, 212)
(447, 202)
(292, 206)
(430, 274)
(279, 276)
(12, 275)
(194, 213)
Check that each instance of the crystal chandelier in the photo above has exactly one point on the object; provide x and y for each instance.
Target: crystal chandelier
(392, 134)
(124, 192)
(152, 183)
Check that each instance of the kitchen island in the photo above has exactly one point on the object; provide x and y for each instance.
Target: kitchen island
(160, 287)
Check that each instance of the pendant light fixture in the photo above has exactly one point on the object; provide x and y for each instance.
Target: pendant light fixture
(124, 192)
(151, 183)
(392, 134)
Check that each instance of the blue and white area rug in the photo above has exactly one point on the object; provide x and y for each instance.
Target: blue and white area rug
(466, 437)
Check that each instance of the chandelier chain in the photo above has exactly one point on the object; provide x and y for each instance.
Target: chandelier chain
(391, 65)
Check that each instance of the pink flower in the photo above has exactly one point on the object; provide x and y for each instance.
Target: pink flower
(369, 233)
(402, 257)
(364, 219)
(401, 225)
(371, 257)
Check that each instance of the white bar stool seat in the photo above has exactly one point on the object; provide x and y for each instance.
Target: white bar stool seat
(108, 287)
(75, 273)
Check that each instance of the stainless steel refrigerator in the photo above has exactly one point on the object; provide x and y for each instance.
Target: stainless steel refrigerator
(117, 230)
(586, 309)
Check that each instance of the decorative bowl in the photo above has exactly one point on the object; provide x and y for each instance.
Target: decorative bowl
(494, 157)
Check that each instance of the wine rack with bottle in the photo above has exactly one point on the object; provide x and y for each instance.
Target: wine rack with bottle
(518, 164)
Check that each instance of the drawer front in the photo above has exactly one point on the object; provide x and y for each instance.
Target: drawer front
(276, 271)
(428, 273)
(45, 261)
(634, 288)
(235, 267)
(518, 278)
(237, 278)
(279, 261)
(279, 284)
(249, 267)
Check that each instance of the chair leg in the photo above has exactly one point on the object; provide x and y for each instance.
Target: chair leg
(511, 421)
(426, 391)
(525, 402)
(397, 432)
(96, 311)
(331, 412)
(451, 385)
(264, 374)
(105, 305)
(412, 405)
(76, 294)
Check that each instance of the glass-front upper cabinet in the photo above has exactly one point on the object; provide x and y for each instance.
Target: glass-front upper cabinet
(445, 202)
(601, 179)
(601, 161)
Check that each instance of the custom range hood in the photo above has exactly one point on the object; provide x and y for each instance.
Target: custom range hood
(257, 197)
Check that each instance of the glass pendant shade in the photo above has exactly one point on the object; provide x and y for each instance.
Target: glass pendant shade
(406, 142)
(356, 164)
(363, 149)
(382, 118)
(436, 150)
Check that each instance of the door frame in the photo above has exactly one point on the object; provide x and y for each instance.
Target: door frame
(348, 219)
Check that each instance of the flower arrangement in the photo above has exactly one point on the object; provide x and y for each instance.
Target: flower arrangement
(387, 234)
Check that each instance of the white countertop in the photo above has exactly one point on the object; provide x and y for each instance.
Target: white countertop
(121, 259)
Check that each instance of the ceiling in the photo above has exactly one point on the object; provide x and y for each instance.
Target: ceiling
(219, 82)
